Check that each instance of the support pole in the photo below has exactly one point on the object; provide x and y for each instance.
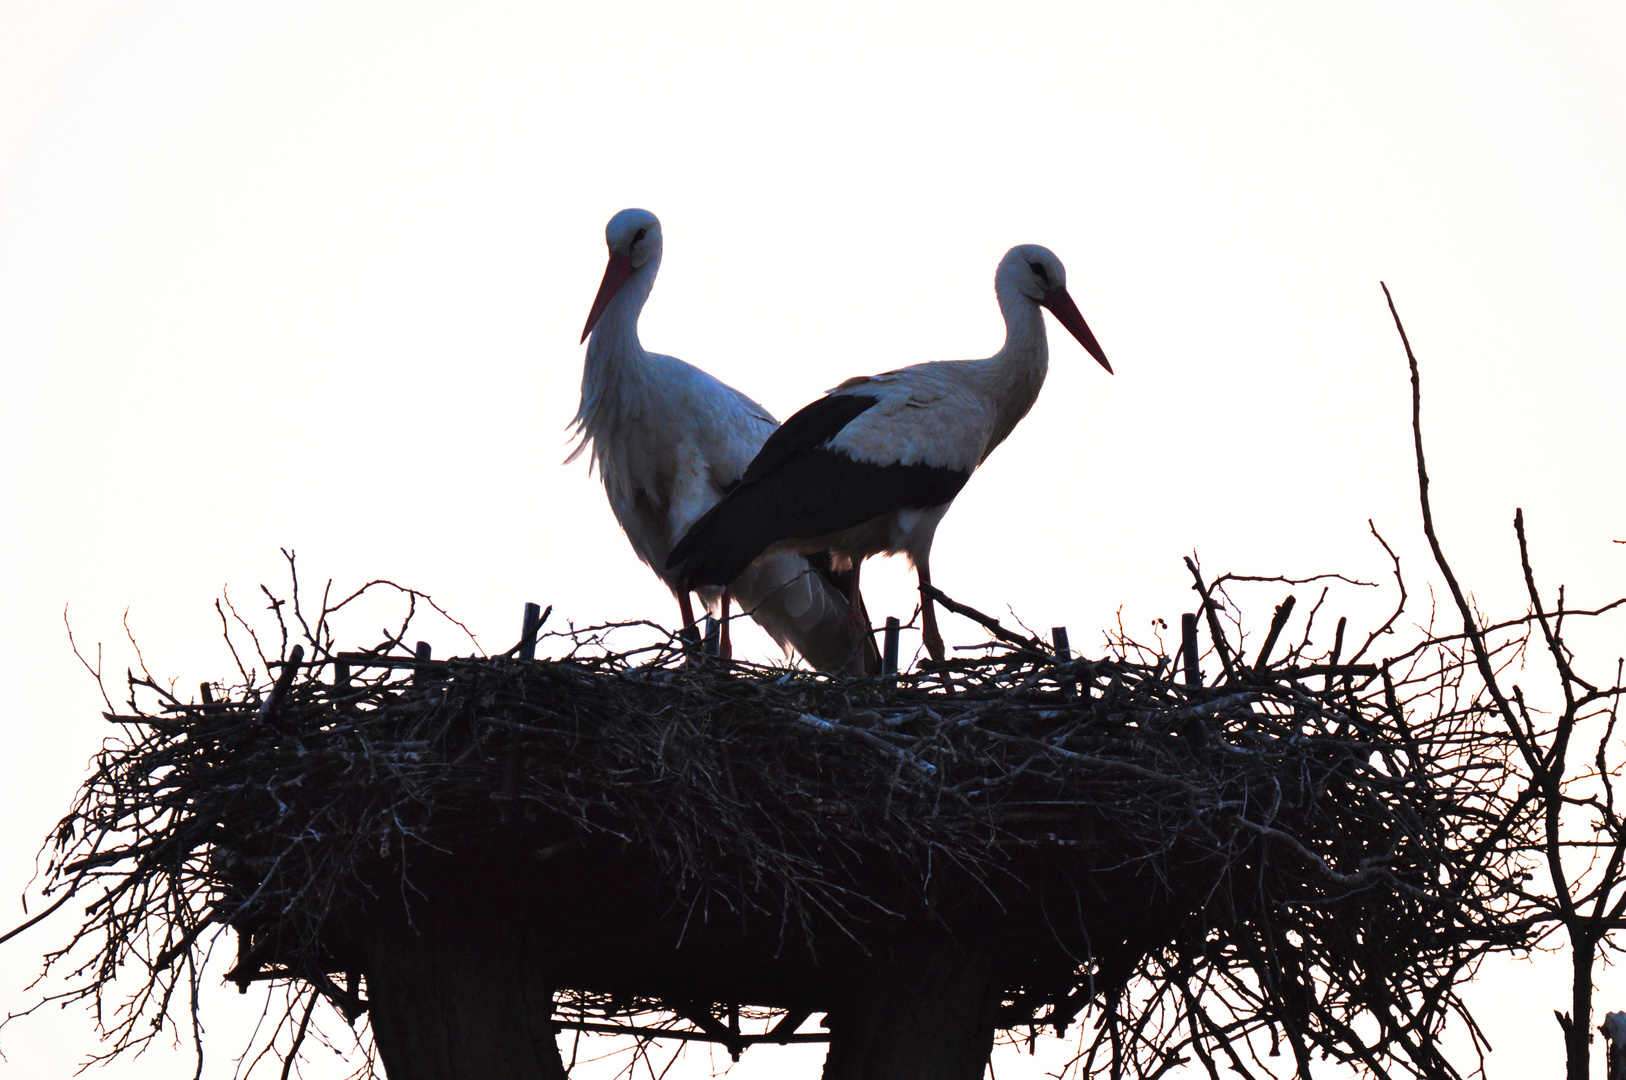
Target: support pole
(420, 673)
(928, 1015)
(528, 630)
(456, 999)
(889, 652)
(1064, 653)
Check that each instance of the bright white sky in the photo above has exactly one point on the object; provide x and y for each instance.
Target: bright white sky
(311, 275)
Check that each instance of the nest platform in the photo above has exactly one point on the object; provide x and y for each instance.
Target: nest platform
(477, 852)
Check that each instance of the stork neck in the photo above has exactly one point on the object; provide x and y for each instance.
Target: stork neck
(1025, 343)
(614, 353)
(1013, 376)
(616, 333)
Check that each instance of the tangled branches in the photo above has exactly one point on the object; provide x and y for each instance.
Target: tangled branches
(1282, 854)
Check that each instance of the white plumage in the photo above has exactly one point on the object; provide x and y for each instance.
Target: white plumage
(668, 440)
(872, 467)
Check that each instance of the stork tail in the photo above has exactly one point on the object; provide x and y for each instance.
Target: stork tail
(804, 607)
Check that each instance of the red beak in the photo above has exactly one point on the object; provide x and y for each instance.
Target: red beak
(1066, 312)
(615, 275)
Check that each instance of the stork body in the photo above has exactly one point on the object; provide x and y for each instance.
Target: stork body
(872, 467)
(668, 440)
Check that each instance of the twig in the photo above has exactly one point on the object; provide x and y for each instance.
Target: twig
(988, 622)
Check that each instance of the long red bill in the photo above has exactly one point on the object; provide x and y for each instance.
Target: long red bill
(1066, 312)
(615, 275)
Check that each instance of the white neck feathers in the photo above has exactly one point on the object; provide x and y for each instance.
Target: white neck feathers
(1013, 376)
(617, 329)
(614, 355)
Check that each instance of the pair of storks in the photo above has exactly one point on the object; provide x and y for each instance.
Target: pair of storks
(721, 501)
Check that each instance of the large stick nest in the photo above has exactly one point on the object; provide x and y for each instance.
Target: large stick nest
(1278, 854)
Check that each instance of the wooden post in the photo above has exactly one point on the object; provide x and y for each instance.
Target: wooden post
(420, 673)
(206, 694)
(1188, 649)
(456, 998)
(341, 676)
(889, 649)
(527, 631)
(1064, 653)
(929, 1015)
(713, 636)
(1337, 653)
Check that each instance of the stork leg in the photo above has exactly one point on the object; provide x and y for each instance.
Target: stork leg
(860, 624)
(929, 635)
(725, 648)
(689, 635)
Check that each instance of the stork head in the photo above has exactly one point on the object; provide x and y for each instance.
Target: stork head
(635, 234)
(1034, 272)
(634, 239)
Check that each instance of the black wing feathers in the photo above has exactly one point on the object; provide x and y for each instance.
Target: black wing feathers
(813, 425)
(798, 487)
(813, 494)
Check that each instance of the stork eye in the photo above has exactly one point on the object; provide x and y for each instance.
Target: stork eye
(639, 235)
(1040, 270)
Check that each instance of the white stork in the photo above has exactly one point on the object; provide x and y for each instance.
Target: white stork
(668, 440)
(871, 467)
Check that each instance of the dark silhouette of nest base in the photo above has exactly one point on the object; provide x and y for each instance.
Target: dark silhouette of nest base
(672, 833)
